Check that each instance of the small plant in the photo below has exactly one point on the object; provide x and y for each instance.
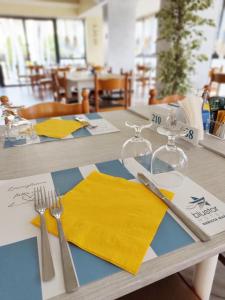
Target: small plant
(180, 30)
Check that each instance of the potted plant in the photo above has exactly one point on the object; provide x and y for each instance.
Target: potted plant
(180, 36)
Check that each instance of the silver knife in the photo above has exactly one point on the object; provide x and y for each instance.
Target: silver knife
(187, 221)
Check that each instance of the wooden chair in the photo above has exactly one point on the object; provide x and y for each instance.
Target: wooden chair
(39, 77)
(104, 87)
(167, 99)
(81, 69)
(36, 72)
(129, 76)
(143, 75)
(216, 79)
(55, 109)
(97, 69)
(59, 86)
(4, 100)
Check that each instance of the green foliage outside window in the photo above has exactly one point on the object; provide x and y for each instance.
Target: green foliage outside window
(180, 28)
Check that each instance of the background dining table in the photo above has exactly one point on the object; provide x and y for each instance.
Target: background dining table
(84, 80)
(79, 80)
(204, 167)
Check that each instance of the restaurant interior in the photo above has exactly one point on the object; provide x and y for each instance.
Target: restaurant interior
(112, 149)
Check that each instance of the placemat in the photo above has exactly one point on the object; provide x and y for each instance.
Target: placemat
(102, 127)
(17, 210)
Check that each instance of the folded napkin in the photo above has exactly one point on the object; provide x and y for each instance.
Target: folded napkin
(57, 128)
(112, 218)
(192, 107)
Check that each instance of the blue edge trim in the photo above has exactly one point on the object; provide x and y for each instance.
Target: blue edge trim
(23, 255)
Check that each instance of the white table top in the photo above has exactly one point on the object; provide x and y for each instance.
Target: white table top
(205, 167)
(88, 76)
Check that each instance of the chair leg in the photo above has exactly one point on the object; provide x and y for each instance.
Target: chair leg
(222, 259)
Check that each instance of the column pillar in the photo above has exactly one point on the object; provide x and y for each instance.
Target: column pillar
(121, 34)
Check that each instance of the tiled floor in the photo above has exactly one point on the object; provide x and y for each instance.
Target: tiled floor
(24, 95)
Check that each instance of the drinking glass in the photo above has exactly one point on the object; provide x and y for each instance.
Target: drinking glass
(137, 146)
(16, 127)
(20, 130)
(168, 161)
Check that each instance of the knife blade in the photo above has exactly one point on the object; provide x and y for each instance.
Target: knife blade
(185, 219)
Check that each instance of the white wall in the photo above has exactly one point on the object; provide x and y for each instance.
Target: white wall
(121, 34)
(200, 78)
(94, 36)
(147, 7)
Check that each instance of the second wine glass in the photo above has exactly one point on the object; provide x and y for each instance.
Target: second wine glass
(169, 161)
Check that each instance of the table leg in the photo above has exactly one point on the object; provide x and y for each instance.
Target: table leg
(79, 91)
(203, 277)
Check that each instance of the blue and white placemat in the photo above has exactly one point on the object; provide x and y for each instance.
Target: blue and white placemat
(20, 245)
(99, 125)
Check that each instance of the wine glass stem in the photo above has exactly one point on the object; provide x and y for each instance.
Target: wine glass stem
(137, 132)
(171, 142)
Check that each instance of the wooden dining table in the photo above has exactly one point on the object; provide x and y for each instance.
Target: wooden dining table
(204, 167)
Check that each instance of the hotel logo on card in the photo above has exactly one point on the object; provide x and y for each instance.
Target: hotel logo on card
(203, 211)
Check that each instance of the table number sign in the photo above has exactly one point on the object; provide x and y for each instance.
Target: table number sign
(158, 116)
(192, 135)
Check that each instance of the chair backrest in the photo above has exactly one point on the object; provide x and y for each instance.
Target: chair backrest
(167, 99)
(98, 69)
(59, 84)
(80, 69)
(63, 69)
(111, 84)
(129, 75)
(217, 77)
(4, 100)
(36, 69)
(143, 69)
(55, 109)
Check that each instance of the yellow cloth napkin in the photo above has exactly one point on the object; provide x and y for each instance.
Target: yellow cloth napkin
(112, 218)
(57, 128)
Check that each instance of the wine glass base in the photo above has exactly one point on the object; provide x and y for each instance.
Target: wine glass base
(171, 179)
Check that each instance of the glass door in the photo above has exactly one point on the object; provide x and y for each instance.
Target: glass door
(71, 41)
(13, 51)
(41, 44)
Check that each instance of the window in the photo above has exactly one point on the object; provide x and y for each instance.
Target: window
(71, 41)
(41, 44)
(13, 51)
(146, 34)
(39, 41)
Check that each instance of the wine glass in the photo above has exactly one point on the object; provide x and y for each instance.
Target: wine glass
(137, 147)
(168, 161)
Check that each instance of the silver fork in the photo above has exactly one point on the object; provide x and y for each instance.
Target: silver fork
(40, 205)
(56, 209)
(89, 126)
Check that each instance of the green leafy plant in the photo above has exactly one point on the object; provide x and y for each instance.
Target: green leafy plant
(180, 31)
